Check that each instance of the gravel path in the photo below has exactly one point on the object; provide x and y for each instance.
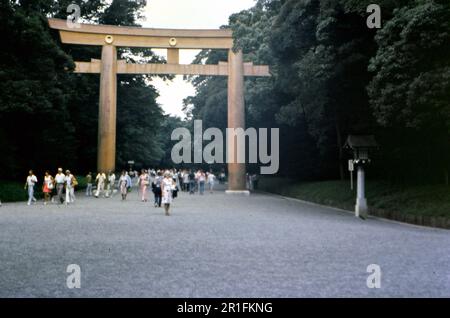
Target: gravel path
(215, 246)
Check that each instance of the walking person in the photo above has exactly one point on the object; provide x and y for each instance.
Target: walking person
(167, 186)
(211, 181)
(151, 178)
(31, 181)
(111, 184)
(222, 177)
(201, 182)
(47, 187)
(60, 180)
(176, 177)
(176, 186)
(136, 178)
(89, 185)
(157, 189)
(185, 180)
(143, 184)
(131, 175)
(191, 182)
(100, 179)
(124, 184)
(70, 187)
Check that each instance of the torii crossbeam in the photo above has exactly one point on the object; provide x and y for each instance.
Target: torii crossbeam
(110, 37)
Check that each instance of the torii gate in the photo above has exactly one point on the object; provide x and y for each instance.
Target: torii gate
(110, 37)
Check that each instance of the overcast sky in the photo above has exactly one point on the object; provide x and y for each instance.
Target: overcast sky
(186, 14)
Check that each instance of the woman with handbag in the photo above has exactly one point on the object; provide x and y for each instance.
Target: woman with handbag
(47, 187)
(167, 186)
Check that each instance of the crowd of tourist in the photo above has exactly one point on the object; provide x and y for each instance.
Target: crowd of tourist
(62, 182)
(163, 183)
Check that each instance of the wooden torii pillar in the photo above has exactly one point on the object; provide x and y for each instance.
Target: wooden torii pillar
(110, 37)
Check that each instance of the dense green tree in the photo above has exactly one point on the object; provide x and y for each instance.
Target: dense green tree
(322, 51)
(139, 121)
(410, 91)
(35, 126)
(333, 76)
(254, 32)
(49, 115)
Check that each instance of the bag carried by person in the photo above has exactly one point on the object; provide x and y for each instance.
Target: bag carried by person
(74, 182)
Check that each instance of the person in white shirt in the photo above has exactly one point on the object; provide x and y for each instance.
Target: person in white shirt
(101, 178)
(211, 180)
(157, 189)
(201, 178)
(177, 177)
(185, 180)
(111, 183)
(70, 189)
(31, 181)
(60, 180)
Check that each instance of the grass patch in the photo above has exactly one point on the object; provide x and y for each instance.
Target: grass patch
(430, 200)
(12, 191)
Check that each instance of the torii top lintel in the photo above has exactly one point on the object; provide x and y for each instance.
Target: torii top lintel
(170, 39)
(91, 34)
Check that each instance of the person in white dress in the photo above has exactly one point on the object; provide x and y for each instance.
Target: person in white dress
(143, 184)
(167, 186)
(124, 184)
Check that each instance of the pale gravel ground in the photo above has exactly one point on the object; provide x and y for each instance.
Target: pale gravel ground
(215, 246)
